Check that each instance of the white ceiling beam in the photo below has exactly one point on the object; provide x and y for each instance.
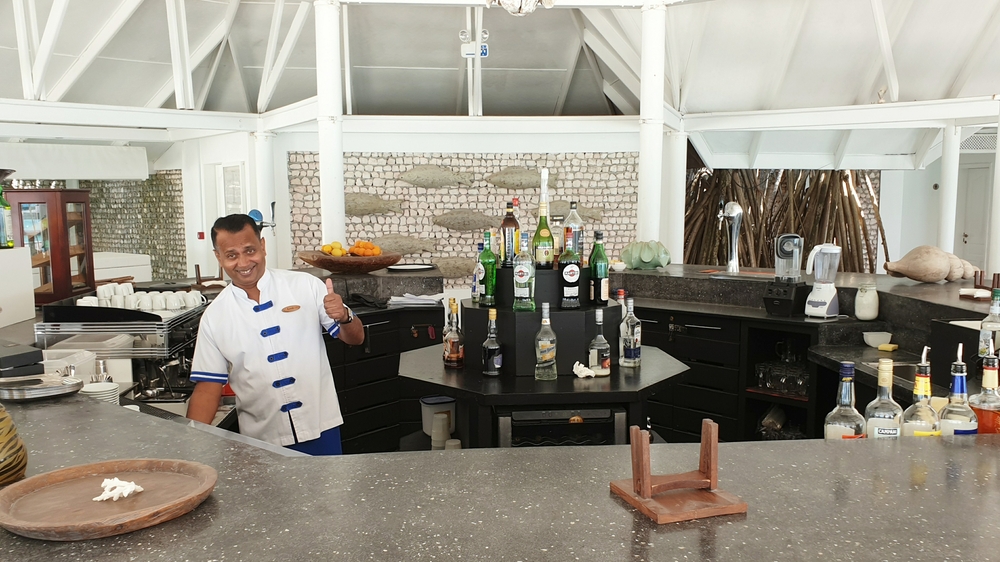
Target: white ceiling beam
(841, 154)
(420, 124)
(923, 146)
(240, 81)
(591, 59)
(52, 27)
(180, 55)
(268, 88)
(607, 54)
(885, 45)
(345, 50)
(974, 58)
(199, 54)
(981, 110)
(611, 33)
(617, 97)
(290, 115)
(568, 79)
(673, 71)
(894, 22)
(104, 35)
(33, 26)
(210, 79)
(74, 132)
(272, 42)
(703, 149)
(23, 49)
(699, 22)
(754, 150)
(631, 23)
(25, 111)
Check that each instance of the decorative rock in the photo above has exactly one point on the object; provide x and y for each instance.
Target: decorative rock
(404, 244)
(466, 220)
(562, 208)
(957, 268)
(435, 176)
(968, 270)
(519, 177)
(927, 264)
(454, 267)
(360, 204)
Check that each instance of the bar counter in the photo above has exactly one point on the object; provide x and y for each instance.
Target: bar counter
(917, 498)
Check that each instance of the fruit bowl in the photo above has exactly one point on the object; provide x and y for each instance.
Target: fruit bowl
(349, 264)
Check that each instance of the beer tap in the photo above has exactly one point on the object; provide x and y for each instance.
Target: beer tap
(734, 213)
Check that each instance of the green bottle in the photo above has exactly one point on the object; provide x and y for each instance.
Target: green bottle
(599, 284)
(488, 281)
(542, 245)
(6, 223)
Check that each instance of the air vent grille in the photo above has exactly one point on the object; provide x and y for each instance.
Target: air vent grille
(986, 142)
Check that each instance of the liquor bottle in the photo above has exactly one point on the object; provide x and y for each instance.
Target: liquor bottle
(990, 326)
(510, 237)
(488, 269)
(631, 334)
(545, 349)
(454, 340)
(882, 416)
(599, 349)
(492, 355)
(516, 202)
(621, 325)
(574, 225)
(476, 275)
(599, 283)
(986, 404)
(569, 274)
(524, 277)
(844, 422)
(920, 419)
(957, 418)
(542, 245)
(6, 223)
(558, 240)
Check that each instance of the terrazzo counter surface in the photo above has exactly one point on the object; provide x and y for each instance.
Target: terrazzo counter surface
(912, 499)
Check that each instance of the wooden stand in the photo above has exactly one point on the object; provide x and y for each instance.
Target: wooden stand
(979, 280)
(678, 497)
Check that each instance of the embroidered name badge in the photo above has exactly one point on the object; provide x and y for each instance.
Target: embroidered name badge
(291, 308)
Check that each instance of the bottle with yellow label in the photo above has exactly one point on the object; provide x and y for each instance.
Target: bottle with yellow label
(920, 419)
(543, 245)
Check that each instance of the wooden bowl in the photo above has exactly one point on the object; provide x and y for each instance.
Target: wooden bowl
(349, 265)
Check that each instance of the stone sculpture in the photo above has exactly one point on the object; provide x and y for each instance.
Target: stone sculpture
(466, 220)
(454, 267)
(404, 244)
(519, 177)
(429, 175)
(360, 204)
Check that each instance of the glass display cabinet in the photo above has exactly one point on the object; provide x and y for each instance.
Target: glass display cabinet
(54, 224)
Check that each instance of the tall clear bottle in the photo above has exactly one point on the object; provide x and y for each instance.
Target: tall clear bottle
(545, 349)
(844, 422)
(492, 351)
(488, 282)
(454, 340)
(599, 350)
(990, 326)
(6, 223)
(599, 283)
(510, 237)
(920, 419)
(631, 334)
(957, 418)
(542, 245)
(621, 325)
(477, 274)
(569, 274)
(524, 277)
(883, 415)
(986, 404)
(573, 226)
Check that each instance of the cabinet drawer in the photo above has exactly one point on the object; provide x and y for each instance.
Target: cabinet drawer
(380, 339)
(366, 396)
(417, 326)
(706, 327)
(369, 419)
(371, 370)
(339, 378)
(671, 435)
(689, 421)
(711, 376)
(709, 352)
(379, 441)
(660, 414)
(705, 400)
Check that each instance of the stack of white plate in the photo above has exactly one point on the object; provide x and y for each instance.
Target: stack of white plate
(103, 391)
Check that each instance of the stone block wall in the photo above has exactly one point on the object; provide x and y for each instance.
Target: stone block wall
(608, 181)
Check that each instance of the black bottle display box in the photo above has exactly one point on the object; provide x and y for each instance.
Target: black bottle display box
(548, 288)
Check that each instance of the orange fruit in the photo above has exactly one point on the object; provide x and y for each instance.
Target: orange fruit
(377, 251)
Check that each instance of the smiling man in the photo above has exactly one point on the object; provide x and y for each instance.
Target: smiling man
(262, 335)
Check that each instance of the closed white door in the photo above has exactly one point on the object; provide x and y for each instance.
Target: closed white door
(972, 222)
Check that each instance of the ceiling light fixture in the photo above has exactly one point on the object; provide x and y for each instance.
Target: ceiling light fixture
(520, 7)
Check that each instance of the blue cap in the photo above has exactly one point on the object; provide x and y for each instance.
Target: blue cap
(847, 369)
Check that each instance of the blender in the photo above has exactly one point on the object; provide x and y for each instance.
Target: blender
(822, 301)
(786, 295)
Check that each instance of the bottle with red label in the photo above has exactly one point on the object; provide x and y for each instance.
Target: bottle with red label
(569, 274)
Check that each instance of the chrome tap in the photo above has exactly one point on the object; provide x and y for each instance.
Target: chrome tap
(734, 213)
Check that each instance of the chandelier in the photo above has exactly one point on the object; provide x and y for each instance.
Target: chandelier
(520, 7)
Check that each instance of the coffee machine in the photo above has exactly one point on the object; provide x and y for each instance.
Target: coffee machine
(786, 295)
(822, 301)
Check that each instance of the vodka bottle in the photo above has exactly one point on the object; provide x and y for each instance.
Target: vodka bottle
(990, 326)
(632, 337)
(542, 245)
(569, 274)
(599, 350)
(492, 356)
(476, 275)
(524, 278)
(957, 418)
(882, 416)
(986, 404)
(573, 226)
(488, 282)
(920, 419)
(599, 284)
(454, 340)
(621, 325)
(545, 349)
(844, 422)
(510, 238)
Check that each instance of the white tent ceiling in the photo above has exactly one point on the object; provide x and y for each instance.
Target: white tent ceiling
(727, 60)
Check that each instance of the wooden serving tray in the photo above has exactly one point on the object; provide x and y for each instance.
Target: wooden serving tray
(349, 265)
(60, 506)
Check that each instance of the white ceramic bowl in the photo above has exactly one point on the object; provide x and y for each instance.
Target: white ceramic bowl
(618, 266)
(876, 339)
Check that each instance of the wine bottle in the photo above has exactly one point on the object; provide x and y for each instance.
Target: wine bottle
(569, 274)
(510, 238)
(542, 245)
(488, 283)
(524, 278)
(599, 283)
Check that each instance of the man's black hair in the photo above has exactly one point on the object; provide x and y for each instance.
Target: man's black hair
(234, 224)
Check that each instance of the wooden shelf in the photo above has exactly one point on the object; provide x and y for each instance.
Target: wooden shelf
(777, 397)
(45, 289)
(77, 251)
(74, 217)
(41, 259)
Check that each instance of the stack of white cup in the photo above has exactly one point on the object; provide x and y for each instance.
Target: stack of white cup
(440, 426)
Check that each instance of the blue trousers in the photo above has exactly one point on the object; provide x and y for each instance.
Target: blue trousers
(328, 443)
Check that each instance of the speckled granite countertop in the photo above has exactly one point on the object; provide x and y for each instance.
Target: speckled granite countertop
(913, 499)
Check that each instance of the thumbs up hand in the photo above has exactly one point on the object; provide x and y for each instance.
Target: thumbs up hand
(334, 304)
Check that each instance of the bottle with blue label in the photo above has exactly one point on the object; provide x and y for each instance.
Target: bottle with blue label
(957, 418)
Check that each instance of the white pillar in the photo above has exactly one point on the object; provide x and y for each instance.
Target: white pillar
(263, 148)
(651, 120)
(949, 187)
(993, 240)
(672, 204)
(330, 104)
